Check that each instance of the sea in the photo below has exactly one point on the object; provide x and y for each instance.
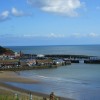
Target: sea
(77, 81)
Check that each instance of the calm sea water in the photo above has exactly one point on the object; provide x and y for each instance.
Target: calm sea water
(77, 81)
(92, 50)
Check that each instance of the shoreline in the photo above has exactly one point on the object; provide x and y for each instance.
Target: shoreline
(9, 76)
(17, 89)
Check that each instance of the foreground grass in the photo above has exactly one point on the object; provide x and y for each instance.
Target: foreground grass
(20, 97)
(12, 95)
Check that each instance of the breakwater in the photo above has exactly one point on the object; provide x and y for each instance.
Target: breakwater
(92, 61)
(78, 58)
(68, 56)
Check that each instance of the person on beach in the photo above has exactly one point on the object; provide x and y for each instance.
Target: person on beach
(52, 96)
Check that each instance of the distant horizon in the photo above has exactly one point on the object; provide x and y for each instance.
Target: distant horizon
(54, 45)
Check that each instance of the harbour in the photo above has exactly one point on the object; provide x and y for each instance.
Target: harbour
(73, 81)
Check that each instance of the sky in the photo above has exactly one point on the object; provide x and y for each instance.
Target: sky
(49, 22)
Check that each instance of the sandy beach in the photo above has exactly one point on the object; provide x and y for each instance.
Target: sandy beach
(9, 76)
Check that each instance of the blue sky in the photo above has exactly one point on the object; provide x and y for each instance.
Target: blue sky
(49, 22)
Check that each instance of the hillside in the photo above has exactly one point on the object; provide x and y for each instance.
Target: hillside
(5, 51)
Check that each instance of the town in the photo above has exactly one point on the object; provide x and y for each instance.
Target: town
(20, 61)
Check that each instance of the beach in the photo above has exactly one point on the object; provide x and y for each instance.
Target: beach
(9, 76)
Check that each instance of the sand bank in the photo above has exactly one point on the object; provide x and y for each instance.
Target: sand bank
(9, 76)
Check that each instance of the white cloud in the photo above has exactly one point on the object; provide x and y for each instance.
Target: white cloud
(75, 35)
(4, 15)
(89, 35)
(32, 35)
(7, 14)
(94, 34)
(15, 12)
(64, 7)
(19, 13)
(53, 35)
